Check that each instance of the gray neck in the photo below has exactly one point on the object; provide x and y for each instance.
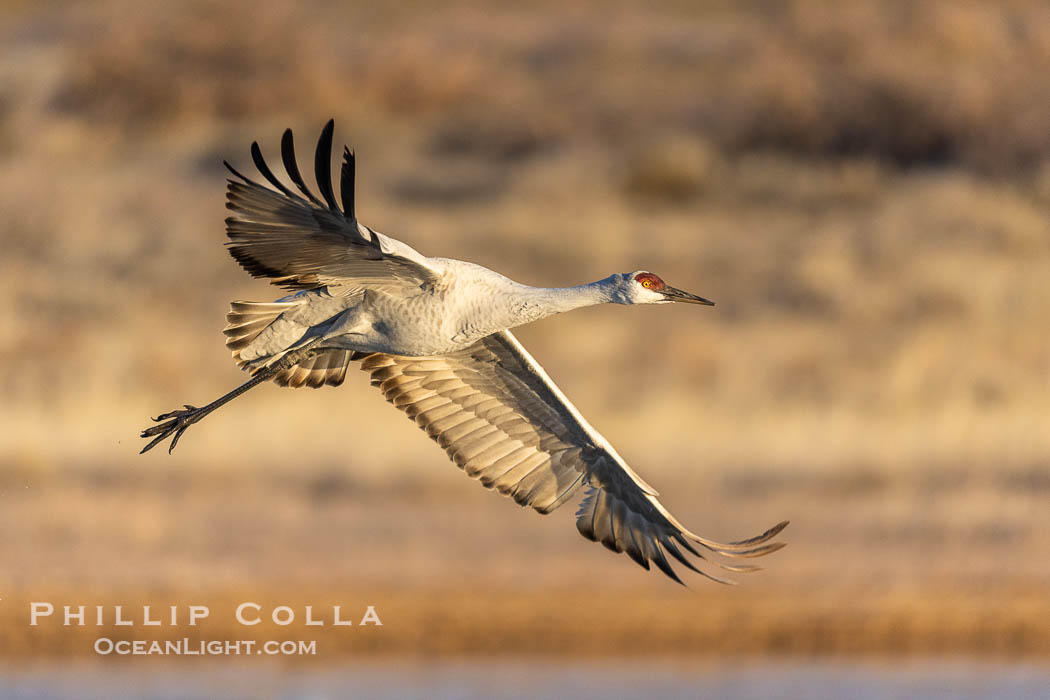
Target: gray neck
(533, 303)
(511, 304)
(556, 300)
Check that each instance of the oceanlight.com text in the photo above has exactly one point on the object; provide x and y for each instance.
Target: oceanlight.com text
(104, 646)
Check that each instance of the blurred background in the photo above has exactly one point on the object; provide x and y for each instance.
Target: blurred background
(861, 187)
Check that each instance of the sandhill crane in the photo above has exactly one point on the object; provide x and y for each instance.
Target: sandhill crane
(434, 335)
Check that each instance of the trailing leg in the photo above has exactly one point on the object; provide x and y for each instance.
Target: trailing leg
(178, 421)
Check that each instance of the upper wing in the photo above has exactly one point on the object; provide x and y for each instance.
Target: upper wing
(301, 242)
(503, 421)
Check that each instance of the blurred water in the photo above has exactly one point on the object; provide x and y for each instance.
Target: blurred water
(529, 678)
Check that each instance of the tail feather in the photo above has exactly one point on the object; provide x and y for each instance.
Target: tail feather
(328, 368)
(337, 369)
(247, 319)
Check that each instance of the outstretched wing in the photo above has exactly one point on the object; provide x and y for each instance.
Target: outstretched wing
(504, 422)
(302, 242)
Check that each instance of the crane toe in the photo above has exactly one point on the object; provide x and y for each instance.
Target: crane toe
(172, 423)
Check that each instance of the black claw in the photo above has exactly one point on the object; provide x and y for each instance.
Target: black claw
(177, 422)
(174, 425)
(175, 440)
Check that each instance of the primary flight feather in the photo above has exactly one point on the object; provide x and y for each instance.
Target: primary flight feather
(434, 335)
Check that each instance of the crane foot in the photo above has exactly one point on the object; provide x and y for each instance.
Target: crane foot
(173, 423)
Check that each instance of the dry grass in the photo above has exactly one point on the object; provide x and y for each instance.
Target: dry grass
(869, 569)
(861, 187)
(559, 622)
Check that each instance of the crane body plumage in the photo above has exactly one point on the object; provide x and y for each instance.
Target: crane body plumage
(434, 334)
(466, 303)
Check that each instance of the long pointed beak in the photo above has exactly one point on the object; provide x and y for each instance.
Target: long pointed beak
(674, 294)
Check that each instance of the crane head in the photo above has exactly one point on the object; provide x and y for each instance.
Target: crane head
(643, 287)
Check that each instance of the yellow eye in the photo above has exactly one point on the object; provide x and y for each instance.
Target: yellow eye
(647, 283)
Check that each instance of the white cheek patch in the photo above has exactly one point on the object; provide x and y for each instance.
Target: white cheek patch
(651, 297)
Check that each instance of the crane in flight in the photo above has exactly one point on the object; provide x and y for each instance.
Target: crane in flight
(434, 334)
